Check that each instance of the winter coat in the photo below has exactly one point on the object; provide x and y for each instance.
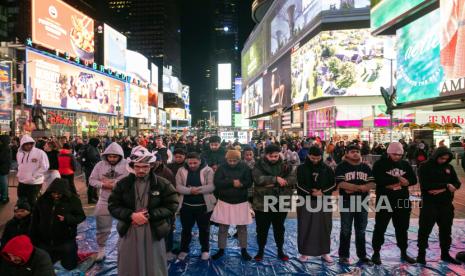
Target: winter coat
(52, 159)
(37, 262)
(5, 152)
(174, 167)
(266, 184)
(165, 172)
(207, 188)
(434, 176)
(66, 162)
(162, 204)
(15, 227)
(104, 170)
(46, 228)
(31, 165)
(310, 176)
(224, 188)
(214, 157)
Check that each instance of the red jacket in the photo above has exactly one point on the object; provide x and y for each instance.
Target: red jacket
(66, 162)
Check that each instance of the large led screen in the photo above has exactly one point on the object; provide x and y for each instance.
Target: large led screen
(237, 95)
(58, 26)
(224, 114)
(59, 84)
(6, 102)
(339, 63)
(224, 76)
(277, 85)
(385, 12)
(253, 57)
(115, 49)
(137, 65)
(136, 102)
(253, 99)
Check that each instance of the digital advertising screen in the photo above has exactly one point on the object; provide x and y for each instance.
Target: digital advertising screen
(254, 99)
(224, 76)
(58, 84)
(153, 96)
(237, 95)
(224, 117)
(277, 85)
(137, 65)
(384, 12)
(58, 26)
(136, 103)
(340, 63)
(253, 57)
(6, 99)
(115, 49)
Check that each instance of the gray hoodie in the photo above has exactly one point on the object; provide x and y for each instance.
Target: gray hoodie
(31, 165)
(103, 170)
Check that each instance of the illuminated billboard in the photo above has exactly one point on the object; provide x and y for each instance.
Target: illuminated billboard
(137, 66)
(277, 85)
(340, 63)
(58, 26)
(388, 12)
(253, 57)
(237, 95)
(224, 76)
(6, 101)
(115, 49)
(224, 113)
(252, 99)
(59, 84)
(136, 102)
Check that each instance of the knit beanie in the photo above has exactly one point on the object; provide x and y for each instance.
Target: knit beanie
(395, 148)
(233, 154)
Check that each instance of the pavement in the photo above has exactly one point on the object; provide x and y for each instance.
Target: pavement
(6, 211)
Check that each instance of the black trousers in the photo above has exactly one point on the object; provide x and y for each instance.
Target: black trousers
(70, 178)
(264, 220)
(443, 216)
(91, 191)
(29, 192)
(189, 217)
(400, 216)
(65, 252)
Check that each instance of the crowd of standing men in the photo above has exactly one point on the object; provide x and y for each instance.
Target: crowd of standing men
(144, 183)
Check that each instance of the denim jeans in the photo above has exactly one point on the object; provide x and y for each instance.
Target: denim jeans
(4, 187)
(360, 221)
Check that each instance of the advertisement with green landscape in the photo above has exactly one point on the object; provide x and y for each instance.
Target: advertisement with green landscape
(384, 11)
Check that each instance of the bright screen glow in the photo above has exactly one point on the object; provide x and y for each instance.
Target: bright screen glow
(224, 76)
(224, 113)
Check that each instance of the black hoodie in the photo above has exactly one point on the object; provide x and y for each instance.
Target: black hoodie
(46, 228)
(434, 176)
(319, 176)
(224, 180)
(5, 152)
(387, 172)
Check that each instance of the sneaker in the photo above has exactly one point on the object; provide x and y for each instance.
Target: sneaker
(376, 258)
(448, 258)
(100, 255)
(218, 254)
(205, 256)
(245, 255)
(421, 259)
(258, 257)
(283, 257)
(366, 261)
(170, 256)
(182, 256)
(406, 258)
(327, 258)
(304, 258)
(344, 261)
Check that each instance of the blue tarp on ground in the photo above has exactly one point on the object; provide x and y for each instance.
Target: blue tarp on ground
(231, 264)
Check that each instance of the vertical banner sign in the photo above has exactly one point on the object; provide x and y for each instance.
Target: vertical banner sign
(5, 92)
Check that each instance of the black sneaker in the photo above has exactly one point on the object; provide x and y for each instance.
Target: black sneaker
(406, 258)
(421, 258)
(376, 258)
(245, 255)
(448, 258)
(218, 254)
(344, 261)
(283, 257)
(366, 261)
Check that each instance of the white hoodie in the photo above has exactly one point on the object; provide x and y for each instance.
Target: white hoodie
(31, 165)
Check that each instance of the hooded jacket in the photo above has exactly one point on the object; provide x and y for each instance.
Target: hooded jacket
(386, 172)
(46, 228)
(31, 165)
(104, 170)
(5, 152)
(224, 183)
(15, 227)
(207, 188)
(36, 262)
(163, 171)
(266, 184)
(434, 176)
(162, 204)
(310, 176)
(214, 157)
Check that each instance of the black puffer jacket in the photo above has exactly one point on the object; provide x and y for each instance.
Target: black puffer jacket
(46, 228)
(224, 188)
(434, 176)
(162, 204)
(5, 152)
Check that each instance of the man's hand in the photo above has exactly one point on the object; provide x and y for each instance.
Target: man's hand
(195, 190)
(108, 184)
(316, 192)
(451, 188)
(436, 192)
(281, 181)
(61, 218)
(139, 218)
(403, 182)
(364, 188)
(237, 183)
(394, 187)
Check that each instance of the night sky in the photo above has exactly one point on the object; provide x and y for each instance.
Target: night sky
(196, 33)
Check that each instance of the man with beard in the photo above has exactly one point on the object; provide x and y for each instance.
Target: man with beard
(355, 180)
(54, 223)
(393, 176)
(273, 178)
(315, 180)
(438, 182)
(144, 204)
(104, 176)
(214, 155)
